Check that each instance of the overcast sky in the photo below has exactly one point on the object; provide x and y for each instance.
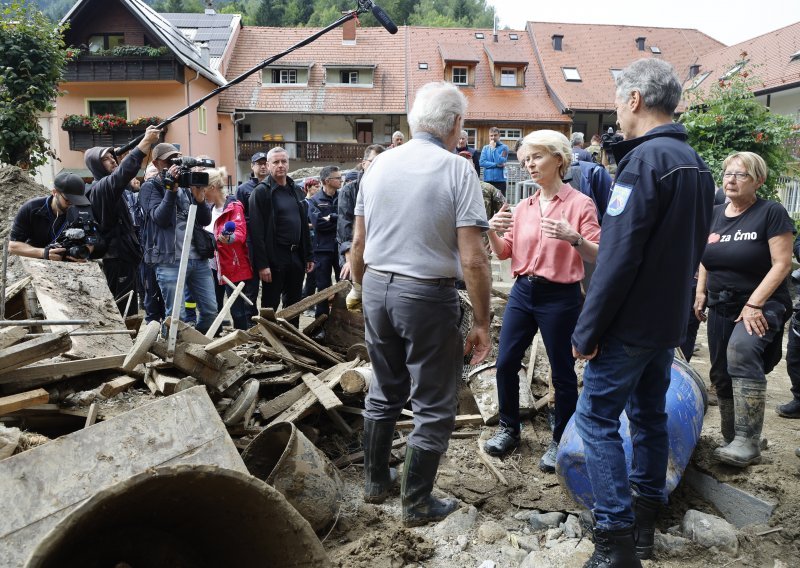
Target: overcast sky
(728, 21)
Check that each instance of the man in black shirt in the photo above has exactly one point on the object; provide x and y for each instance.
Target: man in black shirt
(280, 234)
(41, 220)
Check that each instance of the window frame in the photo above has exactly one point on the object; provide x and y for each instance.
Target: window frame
(349, 73)
(504, 71)
(510, 133)
(202, 119)
(567, 72)
(89, 100)
(460, 68)
(106, 42)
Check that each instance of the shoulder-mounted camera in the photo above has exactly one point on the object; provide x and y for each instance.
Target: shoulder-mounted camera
(77, 237)
(187, 177)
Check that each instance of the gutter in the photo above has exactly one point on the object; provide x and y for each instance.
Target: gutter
(188, 117)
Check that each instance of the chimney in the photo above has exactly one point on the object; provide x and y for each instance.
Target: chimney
(210, 11)
(557, 42)
(694, 70)
(349, 31)
(494, 30)
(640, 43)
(205, 54)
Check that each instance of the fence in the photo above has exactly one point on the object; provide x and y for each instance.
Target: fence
(789, 192)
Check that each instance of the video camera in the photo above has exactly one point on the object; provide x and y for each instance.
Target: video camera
(609, 138)
(186, 177)
(78, 237)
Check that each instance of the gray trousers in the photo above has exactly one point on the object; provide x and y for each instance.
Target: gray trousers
(415, 347)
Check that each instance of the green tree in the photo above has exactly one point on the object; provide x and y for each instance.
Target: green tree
(269, 13)
(174, 6)
(32, 61)
(728, 118)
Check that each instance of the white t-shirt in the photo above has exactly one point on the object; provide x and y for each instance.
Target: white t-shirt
(413, 199)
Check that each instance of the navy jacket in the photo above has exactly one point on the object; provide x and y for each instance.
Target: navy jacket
(323, 205)
(593, 181)
(654, 232)
(243, 194)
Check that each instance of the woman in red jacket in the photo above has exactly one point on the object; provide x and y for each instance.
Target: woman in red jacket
(231, 258)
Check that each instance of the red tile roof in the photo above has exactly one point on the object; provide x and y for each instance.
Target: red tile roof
(459, 52)
(500, 53)
(374, 47)
(771, 54)
(485, 101)
(596, 49)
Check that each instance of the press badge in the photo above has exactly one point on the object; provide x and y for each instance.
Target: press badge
(619, 199)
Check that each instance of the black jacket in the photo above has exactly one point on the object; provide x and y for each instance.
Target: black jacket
(262, 224)
(109, 206)
(36, 225)
(346, 214)
(323, 205)
(654, 232)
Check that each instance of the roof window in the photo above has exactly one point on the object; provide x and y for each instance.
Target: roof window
(571, 73)
(479, 35)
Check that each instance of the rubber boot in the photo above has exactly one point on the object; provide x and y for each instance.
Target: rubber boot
(726, 419)
(379, 477)
(613, 549)
(645, 512)
(419, 506)
(749, 399)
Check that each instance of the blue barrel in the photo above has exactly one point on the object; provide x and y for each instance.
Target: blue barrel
(687, 402)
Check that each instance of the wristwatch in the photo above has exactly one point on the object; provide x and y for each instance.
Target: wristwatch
(578, 242)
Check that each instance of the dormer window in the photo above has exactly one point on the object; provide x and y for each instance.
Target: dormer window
(284, 75)
(351, 76)
(460, 75)
(615, 73)
(571, 73)
(508, 77)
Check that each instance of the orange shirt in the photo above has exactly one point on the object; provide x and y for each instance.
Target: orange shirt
(533, 253)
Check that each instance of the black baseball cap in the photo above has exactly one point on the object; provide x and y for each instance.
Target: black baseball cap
(258, 156)
(72, 188)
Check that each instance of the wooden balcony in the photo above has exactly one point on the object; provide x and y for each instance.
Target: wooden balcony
(109, 68)
(328, 152)
(82, 138)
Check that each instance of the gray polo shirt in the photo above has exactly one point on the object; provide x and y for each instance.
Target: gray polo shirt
(413, 199)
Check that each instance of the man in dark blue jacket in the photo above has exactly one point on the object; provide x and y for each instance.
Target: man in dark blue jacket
(654, 232)
(260, 170)
(323, 214)
(111, 179)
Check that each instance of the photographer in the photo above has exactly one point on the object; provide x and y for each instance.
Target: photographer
(41, 221)
(111, 179)
(166, 207)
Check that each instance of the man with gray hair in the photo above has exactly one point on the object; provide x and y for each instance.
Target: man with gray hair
(418, 230)
(578, 153)
(635, 313)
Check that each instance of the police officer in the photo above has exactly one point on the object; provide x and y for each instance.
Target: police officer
(41, 220)
(654, 231)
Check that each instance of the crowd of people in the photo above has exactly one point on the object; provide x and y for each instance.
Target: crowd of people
(657, 248)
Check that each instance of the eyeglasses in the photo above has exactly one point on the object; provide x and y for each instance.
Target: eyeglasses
(339, 178)
(741, 176)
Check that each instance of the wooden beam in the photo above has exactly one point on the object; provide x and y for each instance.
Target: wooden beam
(116, 386)
(283, 401)
(32, 351)
(164, 381)
(309, 343)
(295, 310)
(91, 418)
(228, 341)
(48, 373)
(324, 394)
(145, 340)
(11, 335)
(226, 309)
(274, 342)
(23, 400)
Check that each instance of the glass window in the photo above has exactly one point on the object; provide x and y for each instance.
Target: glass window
(349, 77)
(202, 120)
(508, 77)
(115, 107)
(472, 136)
(733, 70)
(571, 73)
(510, 133)
(284, 76)
(699, 79)
(460, 75)
(105, 41)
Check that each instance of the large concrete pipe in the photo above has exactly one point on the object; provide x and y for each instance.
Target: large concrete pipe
(183, 516)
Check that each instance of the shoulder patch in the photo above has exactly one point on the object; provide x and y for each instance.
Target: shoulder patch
(619, 199)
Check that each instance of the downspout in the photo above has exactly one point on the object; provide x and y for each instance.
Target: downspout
(235, 147)
(188, 117)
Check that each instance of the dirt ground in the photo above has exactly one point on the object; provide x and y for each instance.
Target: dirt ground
(372, 536)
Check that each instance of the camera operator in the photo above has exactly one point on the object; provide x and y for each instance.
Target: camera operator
(166, 207)
(111, 179)
(41, 220)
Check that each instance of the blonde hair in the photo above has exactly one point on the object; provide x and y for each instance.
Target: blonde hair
(554, 142)
(752, 162)
(217, 177)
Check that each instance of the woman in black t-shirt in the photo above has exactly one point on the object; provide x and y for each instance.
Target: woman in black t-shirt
(742, 280)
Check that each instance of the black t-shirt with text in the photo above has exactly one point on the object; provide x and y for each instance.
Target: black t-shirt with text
(737, 255)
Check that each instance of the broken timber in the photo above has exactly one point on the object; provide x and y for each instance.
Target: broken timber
(145, 340)
(303, 405)
(22, 400)
(295, 310)
(226, 342)
(48, 373)
(31, 351)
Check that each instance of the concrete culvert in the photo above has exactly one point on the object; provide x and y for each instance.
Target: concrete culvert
(183, 516)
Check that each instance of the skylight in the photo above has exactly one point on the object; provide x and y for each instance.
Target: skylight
(656, 50)
(571, 73)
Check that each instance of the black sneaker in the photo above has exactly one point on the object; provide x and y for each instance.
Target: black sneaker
(548, 462)
(503, 441)
(790, 409)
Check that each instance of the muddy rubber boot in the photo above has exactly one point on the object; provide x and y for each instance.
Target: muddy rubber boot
(645, 512)
(613, 549)
(419, 506)
(749, 399)
(726, 419)
(379, 477)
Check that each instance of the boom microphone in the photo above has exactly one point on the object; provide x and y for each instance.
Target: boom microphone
(384, 19)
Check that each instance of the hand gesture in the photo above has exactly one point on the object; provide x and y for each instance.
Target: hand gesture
(503, 220)
(559, 228)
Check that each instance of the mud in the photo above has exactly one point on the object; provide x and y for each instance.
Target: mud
(16, 187)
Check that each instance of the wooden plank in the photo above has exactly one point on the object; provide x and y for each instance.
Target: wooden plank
(11, 335)
(48, 373)
(32, 351)
(228, 341)
(287, 331)
(281, 380)
(226, 309)
(274, 342)
(461, 420)
(116, 386)
(488, 461)
(295, 310)
(324, 394)
(165, 382)
(78, 290)
(23, 400)
(209, 359)
(315, 325)
(282, 401)
(91, 418)
(145, 340)
(310, 343)
(292, 360)
(268, 369)
(17, 287)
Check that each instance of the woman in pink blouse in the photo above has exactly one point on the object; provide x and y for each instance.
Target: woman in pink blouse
(548, 237)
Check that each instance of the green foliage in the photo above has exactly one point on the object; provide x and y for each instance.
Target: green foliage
(729, 119)
(132, 51)
(106, 122)
(32, 60)
(451, 14)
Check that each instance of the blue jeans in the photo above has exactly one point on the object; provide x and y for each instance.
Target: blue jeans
(199, 282)
(634, 379)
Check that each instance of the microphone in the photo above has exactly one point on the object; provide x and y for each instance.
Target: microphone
(228, 229)
(384, 19)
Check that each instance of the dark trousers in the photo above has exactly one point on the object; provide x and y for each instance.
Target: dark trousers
(687, 347)
(793, 354)
(325, 263)
(239, 309)
(553, 309)
(153, 302)
(735, 353)
(500, 185)
(415, 347)
(310, 285)
(121, 279)
(286, 287)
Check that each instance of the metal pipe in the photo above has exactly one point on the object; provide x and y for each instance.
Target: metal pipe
(93, 332)
(12, 323)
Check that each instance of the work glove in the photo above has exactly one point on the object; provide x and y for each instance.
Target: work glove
(353, 299)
